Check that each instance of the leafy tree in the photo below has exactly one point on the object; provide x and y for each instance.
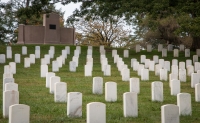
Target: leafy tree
(185, 12)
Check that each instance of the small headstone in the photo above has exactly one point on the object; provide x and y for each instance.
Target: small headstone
(9, 98)
(135, 65)
(195, 58)
(7, 75)
(60, 92)
(111, 91)
(97, 86)
(11, 86)
(190, 70)
(174, 69)
(55, 67)
(164, 52)
(187, 52)
(160, 47)
(197, 92)
(47, 58)
(22, 115)
(157, 69)
(7, 69)
(196, 66)
(167, 65)
(64, 54)
(182, 47)
(170, 113)
(37, 52)
(157, 91)
(125, 74)
(170, 47)
(24, 50)
(75, 59)
(176, 53)
(172, 77)
(184, 103)
(182, 75)
(43, 70)
(74, 104)
(142, 58)
(161, 62)
(137, 48)
(107, 70)
(89, 52)
(198, 52)
(12, 67)
(155, 59)
(163, 74)
(68, 49)
(195, 79)
(2, 58)
(114, 52)
(96, 112)
(72, 66)
(174, 62)
(151, 66)
(48, 76)
(134, 85)
(181, 65)
(130, 104)
(43, 61)
(133, 60)
(188, 62)
(126, 53)
(140, 67)
(53, 80)
(51, 54)
(7, 80)
(88, 70)
(9, 52)
(146, 63)
(175, 87)
(149, 47)
(17, 58)
(145, 74)
(32, 58)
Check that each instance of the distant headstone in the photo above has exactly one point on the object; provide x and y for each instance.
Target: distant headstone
(125, 74)
(190, 70)
(172, 77)
(161, 62)
(68, 49)
(196, 66)
(160, 47)
(12, 67)
(188, 62)
(198, 52)
(195, 58)
(43, 70)
(32, 58)
(72, 66)
(17, 58)
(126, 53)
(157, 69)
(170, 113)
(24, 50)
(175, 87)
(176, 53)
(157, 91)
(145, 74)
(140, 67)
(174, 69)
(22, 115)
(137, 48)
(107, 70)
(97, 86)
(184, 103)
(130, 104)
(48, 76)
(149, 47)
(88, 70)
(2, 58)
(134, 85)
(146, 63)
(170, 47)
(187, 52)
(111, 91)
(74, 104)
(53, 80)
(142, 58)
(182, 47)
(9, 98)
(155, 59)
(151, 66)
(37, 52)
(182, 75)
(167, 65)
(174, 62)
(114, 52)
(9, 52)
(96, 112)
(60, 92)
(135, 65)
(181, 65)
(55, 67)
(47, 58)
(164, 52)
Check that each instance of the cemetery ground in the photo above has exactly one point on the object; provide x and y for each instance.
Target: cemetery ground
(43, 109)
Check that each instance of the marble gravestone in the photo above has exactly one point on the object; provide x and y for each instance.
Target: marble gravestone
(43, 70)
(157, 91)
(184, 103)
(24, 50)
(134, 85)
(126, 53)
(97, 86)
(170, 113)
(60, 92)
(17, 58)
(197, 92)
(111, 91)
(175, 87)
(53, 80)
(72, 66)
(11, 86)
(48, 76)
(2, 58)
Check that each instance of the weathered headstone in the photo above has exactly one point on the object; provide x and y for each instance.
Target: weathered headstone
(181, 65)
(7, 69)
(9, 98)
(97, 86)
(7, 75)
(130, 104)
(182, 47)
(111, 91)
(19, 113)
(60, 92)
(196, 66)
(157, 91)
(170, 113)
(184, 103)
(74, 104)
(195, 58)
(96, 112)
(170, 47)
(11, 86)
(198, 52)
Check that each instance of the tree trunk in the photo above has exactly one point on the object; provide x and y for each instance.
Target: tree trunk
(195, 43)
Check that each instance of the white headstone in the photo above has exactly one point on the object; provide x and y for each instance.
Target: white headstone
(157, 69)
(11, 86)
(170, 113)
(55, 67)
(160, 47)
(130, 104)
(97, 86)
(174, 62)
(198, 52)
(88, 70)
(43, 61)
(184, 103)
(182, 75)
(174, 69)
(149, 47)
(24, 50)
(47, 58)
(155, 59)
(135, 65)
(172, 77)
(114, 52)
(161, 62)
(170, 47)
(133, 60)
(188, 62)
(146, 63)
(53, 80)
(163, 74)
(51, 54)
(157, 91)
(137, 48)
(7, 80)
(167, 65)
(164, 52)
(196, 66)
(74, 104)
(126, 53)
(125, 74)
(195, 79)
(181, 65)
(72, 66)
(176, 53)
(197, 92)
(187, 52)
(68, 49)
(140, 67)
(151, 66)
(96, 112)
(7, 69)
(182, 47)
(9, 98)
(175, 87)
(190, 70)
(37, 52)
(17, 58)
(48, 76)
(60, 92)
(43, 70)
(7, 75)
(75, 59)
(145, 74)
(134, 85)
(107, 70)
(111, 91)
(9, 52)
(12, 67)
(2, 58)
(19, 113)
(32, 58)
(142, 58)
(195, 58)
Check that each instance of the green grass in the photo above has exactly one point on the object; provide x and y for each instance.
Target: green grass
(32, 90)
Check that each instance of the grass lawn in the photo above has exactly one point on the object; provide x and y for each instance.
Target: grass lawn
(43, 109)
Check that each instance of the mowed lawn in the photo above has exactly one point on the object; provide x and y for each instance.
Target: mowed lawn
(43, 109)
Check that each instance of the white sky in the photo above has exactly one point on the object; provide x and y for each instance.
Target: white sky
(68, 9)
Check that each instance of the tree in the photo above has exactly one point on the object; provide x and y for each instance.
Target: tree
(101, 32)
(185, 12)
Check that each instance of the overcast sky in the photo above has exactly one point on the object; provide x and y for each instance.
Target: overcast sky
(67, 8)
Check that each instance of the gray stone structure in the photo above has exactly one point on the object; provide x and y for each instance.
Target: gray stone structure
(49, 33)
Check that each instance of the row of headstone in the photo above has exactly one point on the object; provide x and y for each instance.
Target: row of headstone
(89, 62)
